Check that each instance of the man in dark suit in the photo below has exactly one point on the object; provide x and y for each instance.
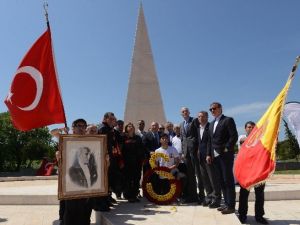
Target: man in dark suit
(223, 136)
(189, 150)
(208, 171)
(151, 142)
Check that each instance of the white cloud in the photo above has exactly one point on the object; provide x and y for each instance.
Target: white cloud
(255, 107)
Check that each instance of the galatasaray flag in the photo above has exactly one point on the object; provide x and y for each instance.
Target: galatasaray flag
(255, 161)
(34, 98)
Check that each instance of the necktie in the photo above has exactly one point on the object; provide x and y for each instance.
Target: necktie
(185, 126)
(157, 137)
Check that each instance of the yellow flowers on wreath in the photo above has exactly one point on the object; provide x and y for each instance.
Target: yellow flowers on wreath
(164, 172)
(155, 156)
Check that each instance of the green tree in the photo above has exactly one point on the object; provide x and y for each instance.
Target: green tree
(282, 150)
(289, 148)
(19, 149)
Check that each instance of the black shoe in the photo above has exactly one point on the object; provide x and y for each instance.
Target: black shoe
(261, 220)
(189, 200)
(119, 196)
(221, 208)
(132, 200)
(214, 205)
(228, 210)
(102, 208)
(206, 203)
(112, 200)
(200, 202)
(243, 219)
(110, 203)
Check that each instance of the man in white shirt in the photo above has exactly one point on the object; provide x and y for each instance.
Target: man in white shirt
(176, 140)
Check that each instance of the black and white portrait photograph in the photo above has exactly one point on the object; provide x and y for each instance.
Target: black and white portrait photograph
(83, 170)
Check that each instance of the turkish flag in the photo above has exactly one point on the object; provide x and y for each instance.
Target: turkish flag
(34, 98)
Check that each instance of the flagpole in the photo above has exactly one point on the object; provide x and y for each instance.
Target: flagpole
(46, 13)
(292, 74)
(48, 26)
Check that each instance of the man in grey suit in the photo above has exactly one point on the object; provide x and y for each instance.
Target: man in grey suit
(209, 175)
(189, 150)
(223, 137)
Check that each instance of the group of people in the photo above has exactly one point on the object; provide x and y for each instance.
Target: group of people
(201, 155)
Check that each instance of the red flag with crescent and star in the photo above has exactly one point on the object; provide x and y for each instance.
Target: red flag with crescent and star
(34, 98)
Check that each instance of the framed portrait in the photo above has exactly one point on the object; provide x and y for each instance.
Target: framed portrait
(83, 166)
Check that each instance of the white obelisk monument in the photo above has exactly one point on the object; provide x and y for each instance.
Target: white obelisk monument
(143, 97)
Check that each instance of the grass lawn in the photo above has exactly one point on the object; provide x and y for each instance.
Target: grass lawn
(288, 172)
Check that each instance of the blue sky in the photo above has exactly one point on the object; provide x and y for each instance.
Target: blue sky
(236, 52)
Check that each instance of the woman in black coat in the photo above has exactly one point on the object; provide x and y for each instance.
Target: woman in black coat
(133, 156)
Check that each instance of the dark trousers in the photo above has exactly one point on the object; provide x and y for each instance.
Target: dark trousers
(77, 212)
(205, 178)
(115, 177)
(193, 168)
(146, 166)
(61, 210)
(200, 185)
(214, 179)
(132, 176)
(259, 201)
(224, 163)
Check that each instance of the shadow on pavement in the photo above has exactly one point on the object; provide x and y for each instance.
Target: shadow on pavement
(55, 222)
(132, 211)
(2, 220)
(251, 221)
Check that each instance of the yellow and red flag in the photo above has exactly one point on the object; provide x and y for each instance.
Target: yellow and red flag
(256, 159)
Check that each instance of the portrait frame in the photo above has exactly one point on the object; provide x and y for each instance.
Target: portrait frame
(83, 166)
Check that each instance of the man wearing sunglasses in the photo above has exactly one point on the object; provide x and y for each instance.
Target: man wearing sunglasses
(223, 136)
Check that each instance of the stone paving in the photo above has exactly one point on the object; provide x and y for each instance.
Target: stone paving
(31, 215)
(35, 203)
(145, 213)
(277, 213)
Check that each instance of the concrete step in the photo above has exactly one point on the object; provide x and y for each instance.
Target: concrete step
(43, 190)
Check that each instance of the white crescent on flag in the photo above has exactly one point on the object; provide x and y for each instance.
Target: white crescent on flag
(38, 79)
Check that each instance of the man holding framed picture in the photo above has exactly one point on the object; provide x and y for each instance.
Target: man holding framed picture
(78, 211)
